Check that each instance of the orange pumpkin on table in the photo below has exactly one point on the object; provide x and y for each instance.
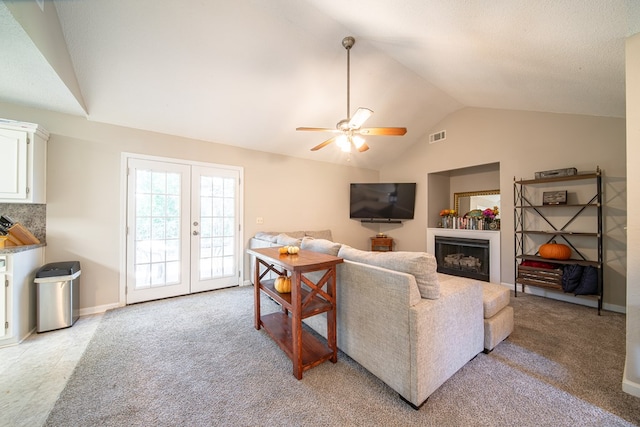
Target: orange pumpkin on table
(553, 250)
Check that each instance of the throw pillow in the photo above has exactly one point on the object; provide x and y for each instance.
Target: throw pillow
(320, 245)
(269, 237)
(286, 240)
(321, 234)
(294, 234)
(419, 264)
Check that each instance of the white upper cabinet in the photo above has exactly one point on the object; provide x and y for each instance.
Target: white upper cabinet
(23, 171)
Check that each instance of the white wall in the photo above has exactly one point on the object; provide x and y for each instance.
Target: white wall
(83, 193)
(523, 143)
(631, 379)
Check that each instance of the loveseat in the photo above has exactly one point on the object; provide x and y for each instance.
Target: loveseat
(408, 325)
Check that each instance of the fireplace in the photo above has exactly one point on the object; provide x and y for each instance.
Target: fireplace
(464, 257)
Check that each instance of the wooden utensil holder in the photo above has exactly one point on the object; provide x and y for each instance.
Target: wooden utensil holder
(19, 236)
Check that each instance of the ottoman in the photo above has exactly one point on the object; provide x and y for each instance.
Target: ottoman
(498, 314)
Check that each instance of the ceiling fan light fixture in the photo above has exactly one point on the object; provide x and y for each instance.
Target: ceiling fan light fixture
(358, 141)
(343, 125)
(343, 143)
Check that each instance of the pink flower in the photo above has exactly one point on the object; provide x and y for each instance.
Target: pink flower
(490, 213)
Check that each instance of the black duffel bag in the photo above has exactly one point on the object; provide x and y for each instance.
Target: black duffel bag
(571, 277)
(588, 282)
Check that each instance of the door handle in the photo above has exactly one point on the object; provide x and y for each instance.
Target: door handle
(195, 233)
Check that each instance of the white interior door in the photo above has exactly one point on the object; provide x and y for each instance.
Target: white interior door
(183, 229)
(214, 242)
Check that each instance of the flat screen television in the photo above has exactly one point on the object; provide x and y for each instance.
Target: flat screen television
(382, 201)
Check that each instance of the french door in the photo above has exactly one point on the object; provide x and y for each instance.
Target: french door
(182, 229)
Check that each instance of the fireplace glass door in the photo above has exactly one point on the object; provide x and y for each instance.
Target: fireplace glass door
(463, 257)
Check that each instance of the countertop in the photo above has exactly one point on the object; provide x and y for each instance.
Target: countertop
(15, 249)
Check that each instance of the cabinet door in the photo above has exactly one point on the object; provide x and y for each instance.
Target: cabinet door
(13, 170)
(3, 302)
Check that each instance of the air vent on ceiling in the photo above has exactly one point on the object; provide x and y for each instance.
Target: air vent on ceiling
(438, 136)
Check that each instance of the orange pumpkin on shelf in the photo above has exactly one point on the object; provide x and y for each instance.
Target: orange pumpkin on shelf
(553, 250)
(282, 284)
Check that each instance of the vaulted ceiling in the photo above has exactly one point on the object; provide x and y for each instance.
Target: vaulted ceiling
(248, 72)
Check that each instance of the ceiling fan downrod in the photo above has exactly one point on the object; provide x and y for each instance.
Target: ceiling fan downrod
(348, 43)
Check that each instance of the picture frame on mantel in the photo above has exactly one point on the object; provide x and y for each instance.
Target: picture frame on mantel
(554, 197)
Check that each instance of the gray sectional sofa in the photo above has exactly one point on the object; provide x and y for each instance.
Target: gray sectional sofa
(408, 325)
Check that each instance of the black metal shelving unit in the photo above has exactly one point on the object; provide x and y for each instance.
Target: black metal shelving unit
(524, 247)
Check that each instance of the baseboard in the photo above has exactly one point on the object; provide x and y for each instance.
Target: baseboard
(630, 387)
(566, 297)
(88, 311)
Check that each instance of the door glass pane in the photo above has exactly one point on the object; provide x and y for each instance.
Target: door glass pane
(157, 228)
(217, 227)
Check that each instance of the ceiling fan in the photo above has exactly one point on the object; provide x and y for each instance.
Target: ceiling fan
(350, 131)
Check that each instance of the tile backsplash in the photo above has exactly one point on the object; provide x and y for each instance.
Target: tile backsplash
(30, 215)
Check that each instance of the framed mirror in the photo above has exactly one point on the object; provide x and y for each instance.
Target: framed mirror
(468, 201)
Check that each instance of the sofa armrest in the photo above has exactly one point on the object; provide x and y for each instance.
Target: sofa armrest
(373, 320)
(447, 333)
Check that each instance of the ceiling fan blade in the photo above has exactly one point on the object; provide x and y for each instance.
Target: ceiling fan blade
(324, 144)
(318, 129)
(364, 147)
(359, 117)
(383, 131)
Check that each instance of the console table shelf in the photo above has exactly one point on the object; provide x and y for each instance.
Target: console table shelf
(314, 306)
(313, 352)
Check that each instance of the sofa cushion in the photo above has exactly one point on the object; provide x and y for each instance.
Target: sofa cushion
(320, 245)
(494, 298)
(287, 240)
(498, 327)
(320, 234)
(419, 264)
(267, 237)
(294, 234)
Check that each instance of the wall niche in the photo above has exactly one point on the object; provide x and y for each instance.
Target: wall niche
(442, 186)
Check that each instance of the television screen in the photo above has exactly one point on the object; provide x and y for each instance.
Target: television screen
(382, 201)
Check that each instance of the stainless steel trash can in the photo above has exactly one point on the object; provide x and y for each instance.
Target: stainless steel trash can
(57, 295)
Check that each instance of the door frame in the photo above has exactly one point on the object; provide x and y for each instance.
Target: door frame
(122, 241)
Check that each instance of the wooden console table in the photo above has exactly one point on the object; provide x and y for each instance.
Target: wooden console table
(285, 327)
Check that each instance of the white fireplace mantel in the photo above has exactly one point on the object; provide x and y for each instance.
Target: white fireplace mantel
(492, 236)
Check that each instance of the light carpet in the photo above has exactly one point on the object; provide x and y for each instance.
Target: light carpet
(198, 361)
